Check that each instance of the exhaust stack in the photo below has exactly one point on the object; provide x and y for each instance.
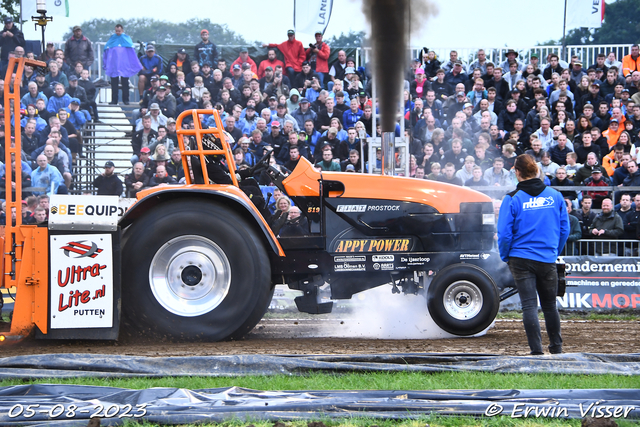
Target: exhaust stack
(388, 153)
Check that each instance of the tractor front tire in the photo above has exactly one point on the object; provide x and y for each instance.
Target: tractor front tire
(194, 270)
(463, 300)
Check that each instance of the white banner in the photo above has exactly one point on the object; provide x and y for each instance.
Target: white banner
(54, 8)
(311, 16)
(585, 13)
(83, 211)
(81, 281)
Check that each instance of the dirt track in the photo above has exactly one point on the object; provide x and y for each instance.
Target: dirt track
(290, 336)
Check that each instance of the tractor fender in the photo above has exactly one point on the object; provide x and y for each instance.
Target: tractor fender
(230, 195)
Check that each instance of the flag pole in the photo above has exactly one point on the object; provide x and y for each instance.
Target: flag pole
(564, 33)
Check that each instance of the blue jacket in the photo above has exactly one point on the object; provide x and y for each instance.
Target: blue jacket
(58, 102)
(45, 178)
(533, 223)
(151, 63)
(350, 118)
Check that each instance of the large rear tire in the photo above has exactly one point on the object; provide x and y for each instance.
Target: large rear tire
(463, 300)
(194, 270)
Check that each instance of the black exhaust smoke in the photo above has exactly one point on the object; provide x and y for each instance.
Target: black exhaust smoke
(391, 21)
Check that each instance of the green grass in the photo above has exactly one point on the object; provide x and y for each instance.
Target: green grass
(368, 381)
(433, 421)
(379, 381)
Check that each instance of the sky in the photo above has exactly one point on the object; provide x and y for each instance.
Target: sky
(459, 23)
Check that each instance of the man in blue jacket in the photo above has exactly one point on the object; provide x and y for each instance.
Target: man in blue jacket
(533, 227)
(151, 64)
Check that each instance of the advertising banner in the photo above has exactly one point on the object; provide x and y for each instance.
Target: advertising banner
(81, 281)
(596, 282)
(585, 13)
(310, 16)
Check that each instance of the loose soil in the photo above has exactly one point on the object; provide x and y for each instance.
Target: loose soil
(309, 336)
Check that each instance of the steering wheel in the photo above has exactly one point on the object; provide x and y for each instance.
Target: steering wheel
(277, 178)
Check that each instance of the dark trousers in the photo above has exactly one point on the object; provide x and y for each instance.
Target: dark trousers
(533, 279)
(291, 74)
(116, 82)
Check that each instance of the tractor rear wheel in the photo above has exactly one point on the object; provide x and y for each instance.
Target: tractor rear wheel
(194, 270)
(463, 300)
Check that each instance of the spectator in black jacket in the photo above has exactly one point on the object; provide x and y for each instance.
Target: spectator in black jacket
(136, 180)
(108, 183)
(90, 90)
(142, 138)
(10, 38)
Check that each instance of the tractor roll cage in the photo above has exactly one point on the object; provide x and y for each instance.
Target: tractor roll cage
(186, 152)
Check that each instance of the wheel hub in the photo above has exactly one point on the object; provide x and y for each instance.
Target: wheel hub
(463, 300)
(190, 275)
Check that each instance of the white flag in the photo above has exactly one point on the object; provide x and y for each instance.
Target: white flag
(54, 8)
(585, 13)
(311, 16)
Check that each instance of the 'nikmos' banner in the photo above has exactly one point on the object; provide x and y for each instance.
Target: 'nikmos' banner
(311, 16)
(585, 13)
(54, 8)
(595, 282)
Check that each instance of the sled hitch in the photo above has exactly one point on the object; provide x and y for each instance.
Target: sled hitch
(309, 302)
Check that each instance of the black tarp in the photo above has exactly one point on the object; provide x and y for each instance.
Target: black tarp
(52, 404)
(108, 365)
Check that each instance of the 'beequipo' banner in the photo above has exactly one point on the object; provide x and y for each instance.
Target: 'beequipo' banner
(595, 282)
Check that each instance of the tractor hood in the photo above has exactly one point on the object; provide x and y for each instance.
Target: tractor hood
(446, 198)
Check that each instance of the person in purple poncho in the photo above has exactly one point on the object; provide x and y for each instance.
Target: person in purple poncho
(120, 62)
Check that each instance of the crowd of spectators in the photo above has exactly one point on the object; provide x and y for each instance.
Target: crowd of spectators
(465, 123)
(56, 103)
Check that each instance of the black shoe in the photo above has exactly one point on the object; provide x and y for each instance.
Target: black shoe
(113, 103)
(536, 353)
(125, 102)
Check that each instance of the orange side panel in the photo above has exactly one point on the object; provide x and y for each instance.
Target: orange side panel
(444, 197)
(32, 283)
(303, 181)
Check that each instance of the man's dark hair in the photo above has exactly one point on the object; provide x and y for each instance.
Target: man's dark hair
(553, 55)
(119, 26)
(601, 55)
(618, 147)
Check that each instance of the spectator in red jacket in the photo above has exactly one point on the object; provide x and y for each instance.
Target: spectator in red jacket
(318, 57)
(271, 61)
(245, 59)
(293, 52)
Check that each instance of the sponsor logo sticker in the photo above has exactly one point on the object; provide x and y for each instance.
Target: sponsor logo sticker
(538, 202)
(373, 245)
(382, 258)
(81, 249)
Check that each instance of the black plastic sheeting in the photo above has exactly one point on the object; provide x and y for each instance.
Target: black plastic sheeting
(52, 404)
(113, 366)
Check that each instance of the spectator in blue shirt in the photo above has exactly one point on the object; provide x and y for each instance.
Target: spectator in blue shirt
(351, 116)
(151, 64)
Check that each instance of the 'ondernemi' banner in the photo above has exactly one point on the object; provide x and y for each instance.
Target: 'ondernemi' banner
(311, 16)
(601, 283)
(585, 13)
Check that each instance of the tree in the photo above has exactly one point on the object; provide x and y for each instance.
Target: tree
(620, 26)
(10, 8)
(352, 39)
(161, 32)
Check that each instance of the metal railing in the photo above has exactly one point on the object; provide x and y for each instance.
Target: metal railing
(587, 54)
(620, 248)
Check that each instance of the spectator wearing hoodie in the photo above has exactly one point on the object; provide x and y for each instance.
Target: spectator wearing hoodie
(60, 99)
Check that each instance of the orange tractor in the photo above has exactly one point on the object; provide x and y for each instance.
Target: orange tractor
(199, 261)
